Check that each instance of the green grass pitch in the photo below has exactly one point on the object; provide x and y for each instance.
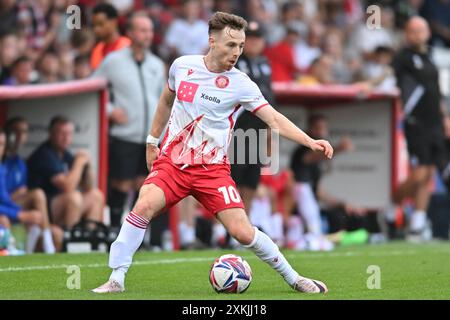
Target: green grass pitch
(407, 271)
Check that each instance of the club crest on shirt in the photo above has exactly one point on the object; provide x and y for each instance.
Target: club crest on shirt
(222, 82)
(190, 71)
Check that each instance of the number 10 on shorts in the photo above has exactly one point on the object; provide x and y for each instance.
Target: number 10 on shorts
(230, 194)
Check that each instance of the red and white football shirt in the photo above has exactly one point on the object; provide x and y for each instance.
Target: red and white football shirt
(205, 110)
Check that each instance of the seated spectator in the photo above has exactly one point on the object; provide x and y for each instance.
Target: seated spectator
(188, 34)
(48, 68)
(377, 71)
(281, 57)
(31, 216)
(21, 72)
(9, 52)
(308, 170)
(320, 72)
(16, 183)
(437, 12)
(67, 179)
(305, 52)
(82, 68)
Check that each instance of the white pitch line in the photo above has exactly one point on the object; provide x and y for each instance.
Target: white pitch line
(183, 260)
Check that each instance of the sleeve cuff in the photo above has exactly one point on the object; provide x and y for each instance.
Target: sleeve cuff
(261, 106)
(168, 86)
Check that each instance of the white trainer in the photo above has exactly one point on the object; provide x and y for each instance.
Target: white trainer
(310, 286)
(111, 286)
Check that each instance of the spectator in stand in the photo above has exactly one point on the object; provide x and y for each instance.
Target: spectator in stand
(305, 52)
(48, 68)
(437, 12)
(188, 34)
(104, 23)
(9, 52)
(291, 14)
(320, 72)
(21, 72)
(82, 42)
(384, 36)
(16, 183)
(281, 57)
(333, 47)
(378, 71)
(37, 20)
(67, 179)
(34, 219)
(82, 67)
(8, 16)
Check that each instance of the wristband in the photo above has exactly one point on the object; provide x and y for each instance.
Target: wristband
(152, 140)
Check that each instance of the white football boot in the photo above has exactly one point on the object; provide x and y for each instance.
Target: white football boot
(309, 285)
(111, 286)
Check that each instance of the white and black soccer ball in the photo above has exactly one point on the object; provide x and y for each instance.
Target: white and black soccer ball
(230, 274)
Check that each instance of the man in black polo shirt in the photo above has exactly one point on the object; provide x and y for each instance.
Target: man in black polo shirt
(256, 66)
(426, 122)
(66, 179)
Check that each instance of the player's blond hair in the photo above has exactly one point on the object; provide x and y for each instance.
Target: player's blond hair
(220, 20)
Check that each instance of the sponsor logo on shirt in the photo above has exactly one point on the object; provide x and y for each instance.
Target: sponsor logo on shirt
(186, 91)
(210, 98)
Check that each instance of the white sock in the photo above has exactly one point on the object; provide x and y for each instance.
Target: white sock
(268, 251)
(47, 241)
(128, 241)
(418, 220)
(32, 237)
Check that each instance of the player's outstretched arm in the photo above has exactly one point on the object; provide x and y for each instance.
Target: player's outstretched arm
(285, 127)
(162, 115)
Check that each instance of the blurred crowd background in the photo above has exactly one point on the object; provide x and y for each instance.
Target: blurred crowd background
(37, 47)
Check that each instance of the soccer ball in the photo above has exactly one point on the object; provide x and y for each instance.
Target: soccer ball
(230, 274)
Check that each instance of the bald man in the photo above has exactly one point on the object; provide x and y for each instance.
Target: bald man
(426, 122)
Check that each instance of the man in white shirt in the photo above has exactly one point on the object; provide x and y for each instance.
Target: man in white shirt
(188, 35)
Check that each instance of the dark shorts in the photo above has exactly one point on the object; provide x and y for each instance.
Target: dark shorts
(246, 175)
(426, 145)
(126, 159)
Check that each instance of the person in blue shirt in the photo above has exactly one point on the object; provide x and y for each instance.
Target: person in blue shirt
(16, 130)
(11, 211)
(66, 179)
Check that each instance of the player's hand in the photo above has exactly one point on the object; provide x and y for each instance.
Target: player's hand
(118, 116)
(323, 146)
(151, 154)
